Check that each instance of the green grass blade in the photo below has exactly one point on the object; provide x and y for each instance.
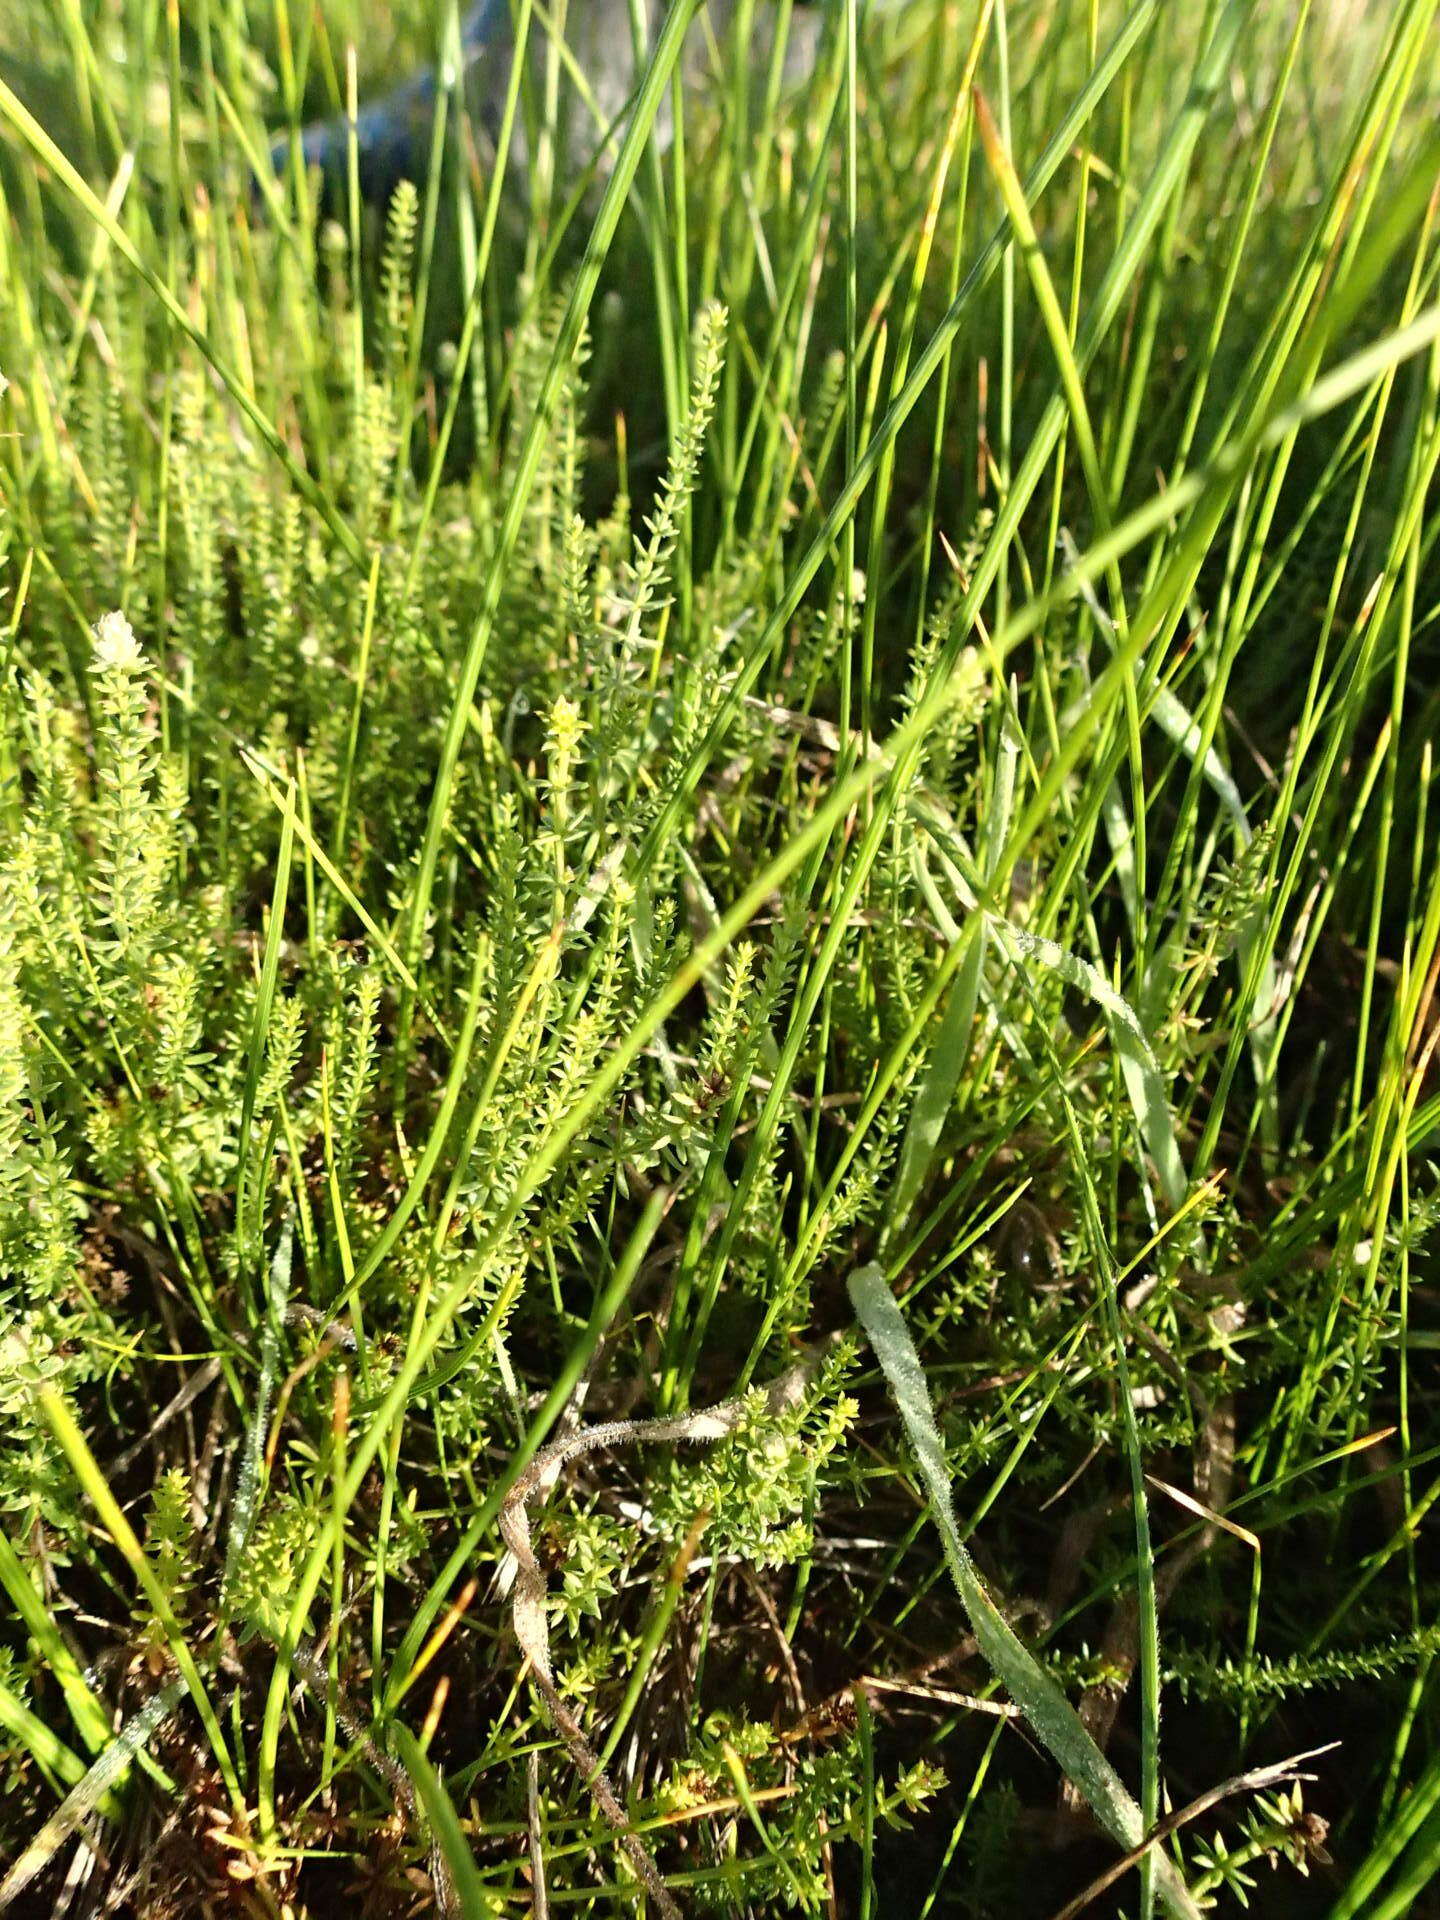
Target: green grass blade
(469, 1891)
(90, 1792)
(1049, 1714)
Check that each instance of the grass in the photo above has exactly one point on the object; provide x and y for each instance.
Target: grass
(615, 788)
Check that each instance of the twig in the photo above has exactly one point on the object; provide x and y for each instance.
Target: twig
(390, 1770)
(941, 1696)
(766, 1604)
(528, 1600)
(539, 1898)
(1254, 1782)
(198, 1381)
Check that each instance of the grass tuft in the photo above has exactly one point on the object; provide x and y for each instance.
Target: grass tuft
(846, 694)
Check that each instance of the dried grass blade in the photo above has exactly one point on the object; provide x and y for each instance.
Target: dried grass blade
(84, 1799)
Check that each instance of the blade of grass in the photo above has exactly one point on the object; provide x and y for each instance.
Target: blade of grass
(90, 1792)
(1048, 1713)
(86, 1469)
(466, 1884)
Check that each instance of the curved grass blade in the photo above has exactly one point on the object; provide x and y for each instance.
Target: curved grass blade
(470, 1899)
(1049, 1714)
(87, 1795)
(91, 1721)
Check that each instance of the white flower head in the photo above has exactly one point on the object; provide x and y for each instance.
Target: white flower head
(115, 644)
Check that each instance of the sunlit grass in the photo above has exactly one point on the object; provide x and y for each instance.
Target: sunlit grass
(585, 760)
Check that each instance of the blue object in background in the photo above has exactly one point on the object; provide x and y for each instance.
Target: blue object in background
(393, 133)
